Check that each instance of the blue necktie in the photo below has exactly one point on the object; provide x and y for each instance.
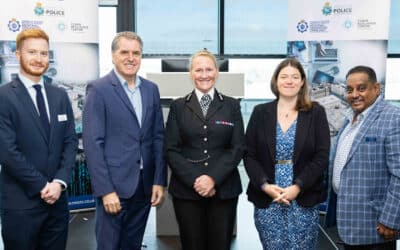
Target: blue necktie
(42, 109)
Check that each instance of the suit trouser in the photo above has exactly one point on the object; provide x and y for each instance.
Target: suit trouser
(205, 224)
(124, 230)
(391, 245)
(41, 228)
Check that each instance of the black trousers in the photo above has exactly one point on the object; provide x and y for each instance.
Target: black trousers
(205, 224)
(391, 245)
(41, 228)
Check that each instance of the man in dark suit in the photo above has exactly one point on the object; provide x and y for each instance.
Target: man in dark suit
(123, 133)
(37, 151)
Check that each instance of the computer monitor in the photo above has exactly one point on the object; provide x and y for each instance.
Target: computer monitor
(182, 65)
(321, 77)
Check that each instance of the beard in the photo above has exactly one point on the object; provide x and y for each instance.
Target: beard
(28, 69)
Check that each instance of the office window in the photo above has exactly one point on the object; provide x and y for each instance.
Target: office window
(394, 31)
(177, 27)
(257, 27)
(107, 31)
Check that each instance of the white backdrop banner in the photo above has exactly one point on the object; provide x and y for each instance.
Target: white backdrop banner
(338, 20)
(331, 37)
(72, 27)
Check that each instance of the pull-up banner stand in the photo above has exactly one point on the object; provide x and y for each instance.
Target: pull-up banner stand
(331, 37)
(73, 30)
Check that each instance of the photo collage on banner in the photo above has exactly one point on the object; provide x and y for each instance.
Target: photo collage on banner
(331, 37)
(72, 27)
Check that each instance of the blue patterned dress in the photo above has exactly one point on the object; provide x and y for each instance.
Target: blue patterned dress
(281, 226)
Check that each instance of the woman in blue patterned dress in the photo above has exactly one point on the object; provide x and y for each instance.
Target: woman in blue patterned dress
(287, 156)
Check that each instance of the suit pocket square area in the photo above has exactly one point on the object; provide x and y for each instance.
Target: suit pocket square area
(62, 117)
(370, 139)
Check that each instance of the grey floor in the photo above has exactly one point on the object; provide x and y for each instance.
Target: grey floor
(81, 235)
(81, 231)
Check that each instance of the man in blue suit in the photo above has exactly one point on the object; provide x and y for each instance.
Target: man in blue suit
(123, 133)
(366, 167)
(37, 151)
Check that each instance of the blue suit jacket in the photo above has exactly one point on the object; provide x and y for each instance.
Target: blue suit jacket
(28, 158)
(114, 142)
(369, 191)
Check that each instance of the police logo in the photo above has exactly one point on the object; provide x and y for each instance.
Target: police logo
(39, 10)
(327, 9)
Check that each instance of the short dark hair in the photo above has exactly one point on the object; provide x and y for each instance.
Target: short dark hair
(363, 69)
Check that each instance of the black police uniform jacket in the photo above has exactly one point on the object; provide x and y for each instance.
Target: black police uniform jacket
(196, 145)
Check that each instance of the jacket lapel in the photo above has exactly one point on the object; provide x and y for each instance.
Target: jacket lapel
(270, 122)
(52, 102)
(26, 100)
(215, 105)
(369, 120)
(303, 124)
(193, 104)
(145, 94)
(122, 94)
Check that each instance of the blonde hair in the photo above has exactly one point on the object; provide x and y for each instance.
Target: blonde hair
(205, 53)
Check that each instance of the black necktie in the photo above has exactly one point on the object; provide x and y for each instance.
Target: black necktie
(42, 109)
(205, 103)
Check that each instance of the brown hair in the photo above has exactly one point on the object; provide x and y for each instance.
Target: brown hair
(303, 100)
(30, 33)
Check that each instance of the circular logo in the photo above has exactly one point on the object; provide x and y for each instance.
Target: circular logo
(61, 26)
(348, 24)
(14, 25)
(302, 26)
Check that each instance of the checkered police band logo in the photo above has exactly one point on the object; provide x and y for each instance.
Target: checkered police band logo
(327, 9)
(14, 25)
(302, 26)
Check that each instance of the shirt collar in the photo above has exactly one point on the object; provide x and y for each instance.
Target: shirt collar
(28, 83)
(124, 82)
(350, 114)
(200, 94)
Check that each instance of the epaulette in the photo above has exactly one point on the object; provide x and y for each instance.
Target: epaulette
(188, 96)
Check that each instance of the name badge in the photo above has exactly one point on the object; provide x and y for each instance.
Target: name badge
(62, 118)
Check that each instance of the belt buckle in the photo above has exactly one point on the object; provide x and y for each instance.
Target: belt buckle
(284, 162)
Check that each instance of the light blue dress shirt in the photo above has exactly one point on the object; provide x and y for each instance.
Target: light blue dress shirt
(134, 95)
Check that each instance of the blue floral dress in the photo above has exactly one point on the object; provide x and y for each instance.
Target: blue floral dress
(281, 226)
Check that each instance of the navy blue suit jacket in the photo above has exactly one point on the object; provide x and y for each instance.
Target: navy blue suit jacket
(28, 158)
(114, 142)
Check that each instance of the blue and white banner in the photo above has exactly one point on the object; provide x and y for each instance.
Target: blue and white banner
(72, 27)
(331, 37)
